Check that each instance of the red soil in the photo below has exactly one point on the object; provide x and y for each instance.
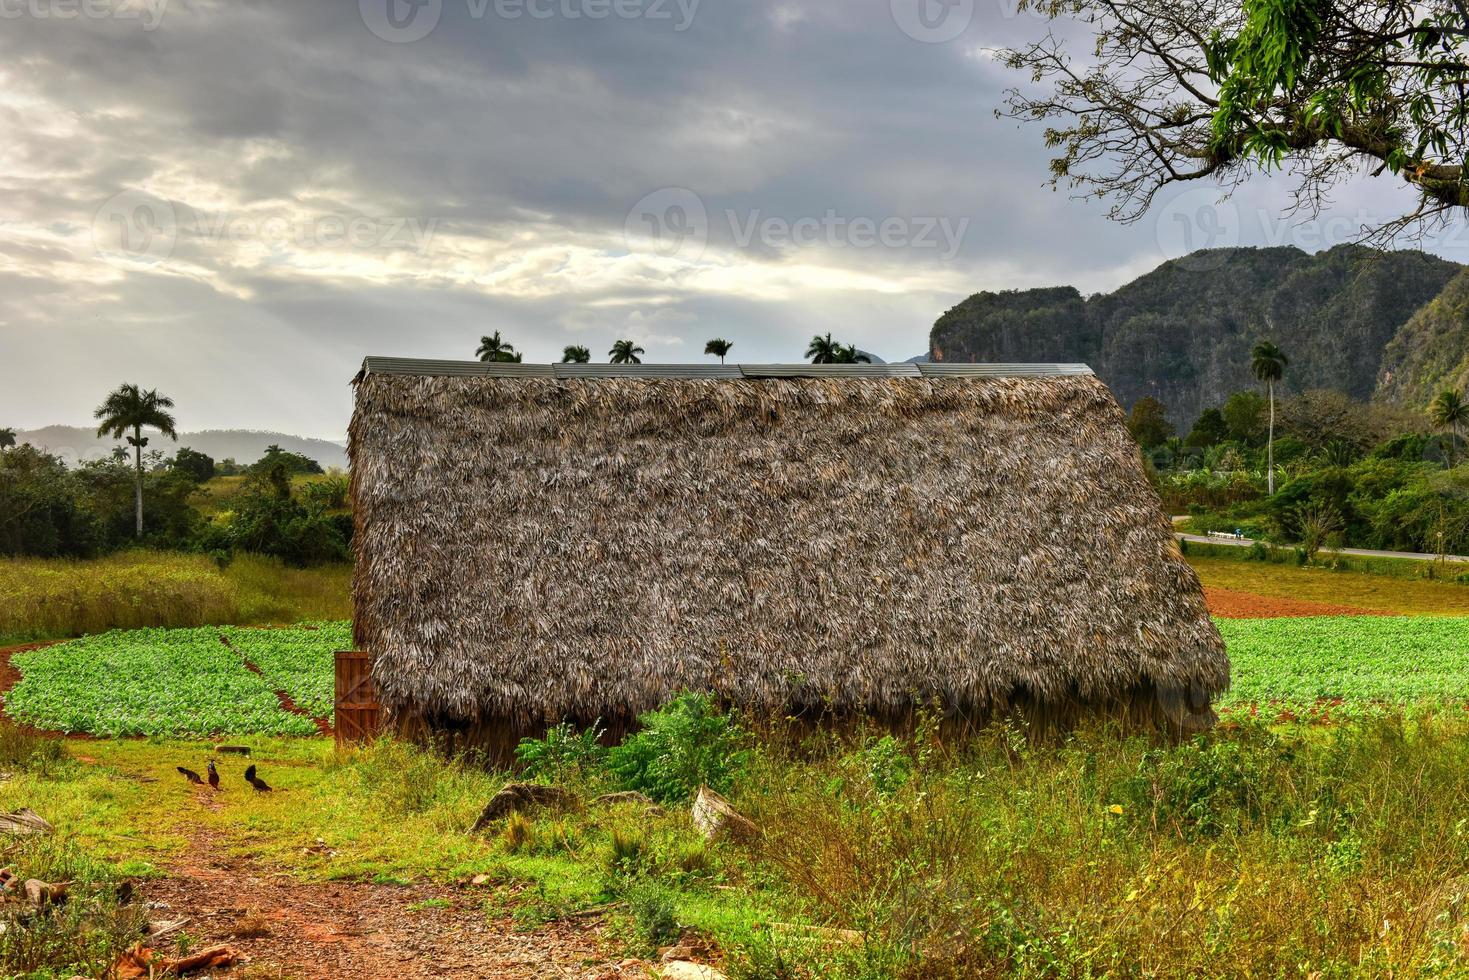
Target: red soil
(1229, 604)
(351, 929)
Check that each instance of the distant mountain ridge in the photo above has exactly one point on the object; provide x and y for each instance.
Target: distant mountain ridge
(77, 444)
(1183, 332)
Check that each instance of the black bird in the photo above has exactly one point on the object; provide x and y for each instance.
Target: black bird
(260, 785)
(213, 776)
(191, 775)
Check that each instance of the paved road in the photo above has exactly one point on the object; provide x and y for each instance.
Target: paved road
(1359, 552)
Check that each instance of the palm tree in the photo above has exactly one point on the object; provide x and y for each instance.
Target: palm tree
(575, 354)
(626, 352)
(129, 409)
(718, 347)
(1268, 365)
(492, 348)
(1449, 411)
(7, 438)
(823, 350)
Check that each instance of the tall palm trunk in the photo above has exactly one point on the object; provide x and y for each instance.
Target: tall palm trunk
(138, 479)
(1270, 444)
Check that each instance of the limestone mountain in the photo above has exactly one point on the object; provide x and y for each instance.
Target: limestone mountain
(1182, 333)
(1431, 351)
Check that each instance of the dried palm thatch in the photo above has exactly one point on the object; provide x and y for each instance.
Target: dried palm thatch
(532, 548)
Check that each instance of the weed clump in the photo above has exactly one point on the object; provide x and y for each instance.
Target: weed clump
(83, 934)
(686, 744)
(23, 751)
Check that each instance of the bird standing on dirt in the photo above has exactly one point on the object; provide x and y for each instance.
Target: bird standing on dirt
(190, 775)
(213, 776)
(259, 784)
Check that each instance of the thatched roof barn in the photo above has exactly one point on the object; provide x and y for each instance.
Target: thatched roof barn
(540, 542)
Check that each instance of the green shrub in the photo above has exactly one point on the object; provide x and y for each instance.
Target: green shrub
(888, 767)
(1203, 786)
(687, 743)
(564, 753)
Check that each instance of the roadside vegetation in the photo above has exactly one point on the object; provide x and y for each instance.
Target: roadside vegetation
(1315, 470)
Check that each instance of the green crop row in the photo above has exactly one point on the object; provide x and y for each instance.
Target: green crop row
(296, 660)
(147, 682)
(187, 682)
(1358, 659)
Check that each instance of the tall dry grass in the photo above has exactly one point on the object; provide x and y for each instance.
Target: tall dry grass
(50, 598)
(1306, 852)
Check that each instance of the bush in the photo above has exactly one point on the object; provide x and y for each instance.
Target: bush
(1201, 787)
(291, 463)
(325, 494)
(888, 768)
(267, 520)
(685, 744)
(652, 912)
(563, 754)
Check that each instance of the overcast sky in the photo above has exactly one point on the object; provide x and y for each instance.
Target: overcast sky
(234, 202)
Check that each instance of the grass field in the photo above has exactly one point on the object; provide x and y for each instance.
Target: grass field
(44, 598)
(1278, 851)
(1389, 593)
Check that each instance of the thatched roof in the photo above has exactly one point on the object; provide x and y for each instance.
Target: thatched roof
(536, 543)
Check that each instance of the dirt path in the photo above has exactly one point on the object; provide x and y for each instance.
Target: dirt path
(288, 928)
(1228, 604)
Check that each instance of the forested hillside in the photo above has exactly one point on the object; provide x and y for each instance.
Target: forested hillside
(1431, 351)
(1182, 333)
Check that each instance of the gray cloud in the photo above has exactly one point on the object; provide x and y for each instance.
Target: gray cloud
(517, 149)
